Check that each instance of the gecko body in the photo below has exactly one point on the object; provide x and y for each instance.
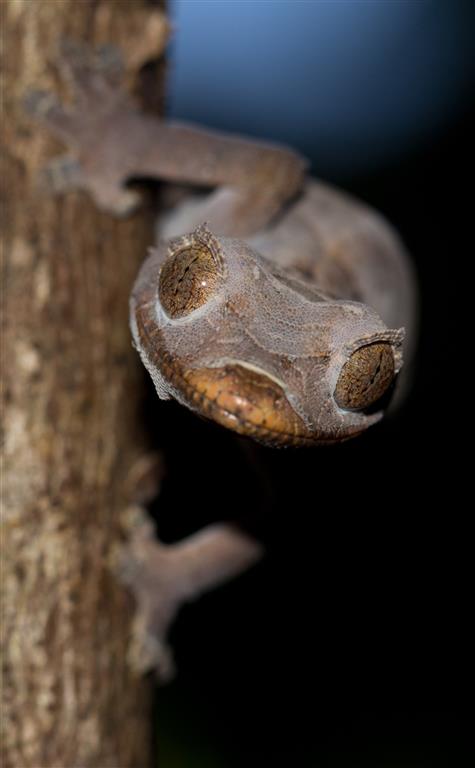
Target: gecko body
(274, 305)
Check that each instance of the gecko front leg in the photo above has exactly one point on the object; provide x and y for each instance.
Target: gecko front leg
(112, 141)
(164, 577)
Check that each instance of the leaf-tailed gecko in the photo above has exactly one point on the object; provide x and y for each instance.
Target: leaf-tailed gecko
(274, 305)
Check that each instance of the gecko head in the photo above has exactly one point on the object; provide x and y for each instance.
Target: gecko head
(225, 332)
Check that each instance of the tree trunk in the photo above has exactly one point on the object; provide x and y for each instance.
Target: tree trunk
(73, 428)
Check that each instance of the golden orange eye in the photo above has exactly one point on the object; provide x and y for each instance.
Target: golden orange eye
(365, 377)
(191, 274)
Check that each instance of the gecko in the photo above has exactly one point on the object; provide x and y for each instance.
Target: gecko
(273, 304)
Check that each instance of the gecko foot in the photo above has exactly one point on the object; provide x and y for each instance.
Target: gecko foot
(92, 126)
(144, 567)
(94, 78)
(163, 577)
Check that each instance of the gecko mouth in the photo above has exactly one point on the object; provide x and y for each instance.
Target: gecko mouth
(249, 403)
(235, 395)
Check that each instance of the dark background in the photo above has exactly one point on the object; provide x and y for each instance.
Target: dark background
(351, 644)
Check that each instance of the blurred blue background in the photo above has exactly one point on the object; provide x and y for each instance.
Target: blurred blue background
(352, 83)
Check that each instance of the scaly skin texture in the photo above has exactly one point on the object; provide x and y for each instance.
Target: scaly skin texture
(277, 333)
(291, 334)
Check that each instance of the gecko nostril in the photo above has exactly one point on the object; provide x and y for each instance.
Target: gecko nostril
(366, 377)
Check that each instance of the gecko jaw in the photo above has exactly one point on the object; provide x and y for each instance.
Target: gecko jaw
(252, 404)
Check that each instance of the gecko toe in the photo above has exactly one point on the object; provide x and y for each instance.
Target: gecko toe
(61, 174)
(45, 108)
(94, 75)
(114, 198)
(148, 652)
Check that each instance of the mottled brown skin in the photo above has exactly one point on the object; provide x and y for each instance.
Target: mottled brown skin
(252, 346)
(291, 336)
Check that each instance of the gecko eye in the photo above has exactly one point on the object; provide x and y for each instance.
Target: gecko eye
(365, 377)
(191, 273)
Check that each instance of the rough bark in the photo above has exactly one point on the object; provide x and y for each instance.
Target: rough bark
(71, 398)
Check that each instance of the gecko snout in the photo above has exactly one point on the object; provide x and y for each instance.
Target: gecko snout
(366, 377)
